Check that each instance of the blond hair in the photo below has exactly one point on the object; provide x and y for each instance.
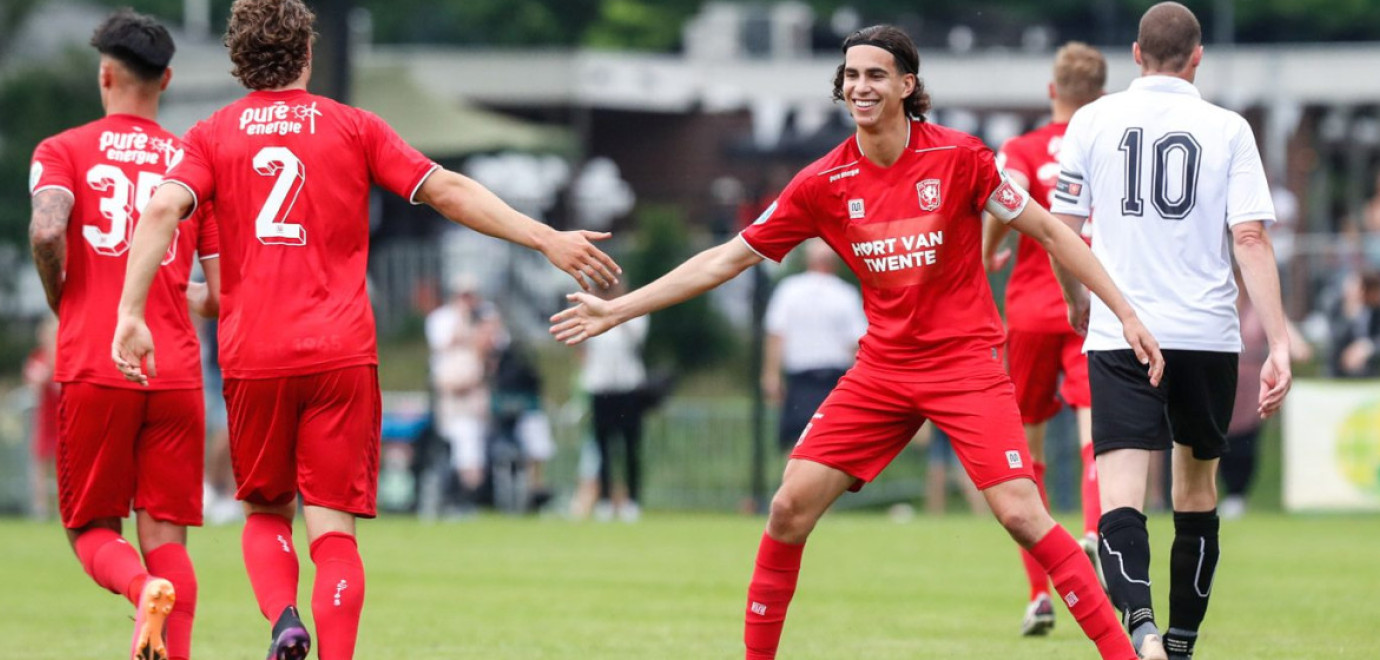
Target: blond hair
(1080, 73)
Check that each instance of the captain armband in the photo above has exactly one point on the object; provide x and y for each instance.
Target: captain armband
(1007, 201)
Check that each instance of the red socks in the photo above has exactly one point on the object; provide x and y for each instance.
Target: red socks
(1034, 572)
(337, 598)
(271, 562)
(1092, 506)
(769, 594)
(1076, 583)
(112, 562)
(170, 562)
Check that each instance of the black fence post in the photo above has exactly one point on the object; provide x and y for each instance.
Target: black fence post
(759, 439)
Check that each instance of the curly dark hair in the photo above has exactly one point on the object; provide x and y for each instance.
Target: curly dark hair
(137, 41)
(269, 41)
(893, 40)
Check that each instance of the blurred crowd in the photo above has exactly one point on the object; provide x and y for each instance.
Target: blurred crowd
(488, 439)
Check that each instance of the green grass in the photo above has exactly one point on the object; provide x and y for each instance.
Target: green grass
(673, 587)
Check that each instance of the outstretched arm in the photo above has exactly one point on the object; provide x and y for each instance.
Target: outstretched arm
(464, 201)
(1256, 255)
(132, 348)
(590, 316)
(52, 209)
(1071, 254)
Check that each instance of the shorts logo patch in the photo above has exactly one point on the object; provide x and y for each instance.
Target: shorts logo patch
(929, 194)
(1013, 459)
(855, 209)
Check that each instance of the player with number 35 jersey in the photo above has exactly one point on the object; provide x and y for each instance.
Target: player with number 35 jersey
(122, 445)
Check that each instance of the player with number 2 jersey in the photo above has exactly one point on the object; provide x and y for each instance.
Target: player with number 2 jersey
(290, 173)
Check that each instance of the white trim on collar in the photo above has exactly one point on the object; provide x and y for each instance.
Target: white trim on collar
(1162, 83)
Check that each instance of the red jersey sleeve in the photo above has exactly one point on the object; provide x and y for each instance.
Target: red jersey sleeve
(986, 177)
(191, 167)
(789, 221)
(51, 169)
(393, 164)
(208, 234)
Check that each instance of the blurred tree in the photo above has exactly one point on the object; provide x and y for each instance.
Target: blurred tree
(640, 24)
(691, 335)
(482, 22)
(655, 25)
(12, 15)
(36, 103)
(171, 11)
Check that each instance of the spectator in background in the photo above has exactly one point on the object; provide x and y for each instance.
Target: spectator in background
(614, 376)
(43, 435)
(518, 417)
(942, 466)
(460, 334)
(813, 324)
(1357, 328)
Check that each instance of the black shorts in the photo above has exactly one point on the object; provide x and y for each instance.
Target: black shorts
(1192, 405)
(805, 390)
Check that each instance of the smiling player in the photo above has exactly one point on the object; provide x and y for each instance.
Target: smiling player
(901, 202)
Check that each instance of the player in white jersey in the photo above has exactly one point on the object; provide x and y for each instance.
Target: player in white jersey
(1178, 187)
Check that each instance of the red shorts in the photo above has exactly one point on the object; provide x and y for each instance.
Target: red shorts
(1036, 360)
(868, 419)
(117, 446)
(317, 434)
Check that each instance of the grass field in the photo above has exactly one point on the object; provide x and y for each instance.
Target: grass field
(673, 587)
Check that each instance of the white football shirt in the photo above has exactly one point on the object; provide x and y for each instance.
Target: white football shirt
(819, 318)
(1166, 174)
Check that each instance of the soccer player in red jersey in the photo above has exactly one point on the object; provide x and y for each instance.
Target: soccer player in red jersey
(1041, 346)
(290, 174)
(120, 443)
(901, 202)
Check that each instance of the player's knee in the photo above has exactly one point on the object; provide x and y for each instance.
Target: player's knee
(790, 521)
(1195, 496)
(1025, 523)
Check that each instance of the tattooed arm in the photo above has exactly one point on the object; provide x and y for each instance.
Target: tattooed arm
(48, 240)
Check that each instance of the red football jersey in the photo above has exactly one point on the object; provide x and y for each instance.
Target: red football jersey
(912, 233)
(290, 174)
(110, 167)
(1034, 302)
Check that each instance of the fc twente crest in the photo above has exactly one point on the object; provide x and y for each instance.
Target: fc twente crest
(929, 194)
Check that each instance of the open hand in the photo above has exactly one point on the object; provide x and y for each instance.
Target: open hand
(1276, 377)
(1078, 309)
(574, 253)
(589, 317)
(132, 349)
(997, 261)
